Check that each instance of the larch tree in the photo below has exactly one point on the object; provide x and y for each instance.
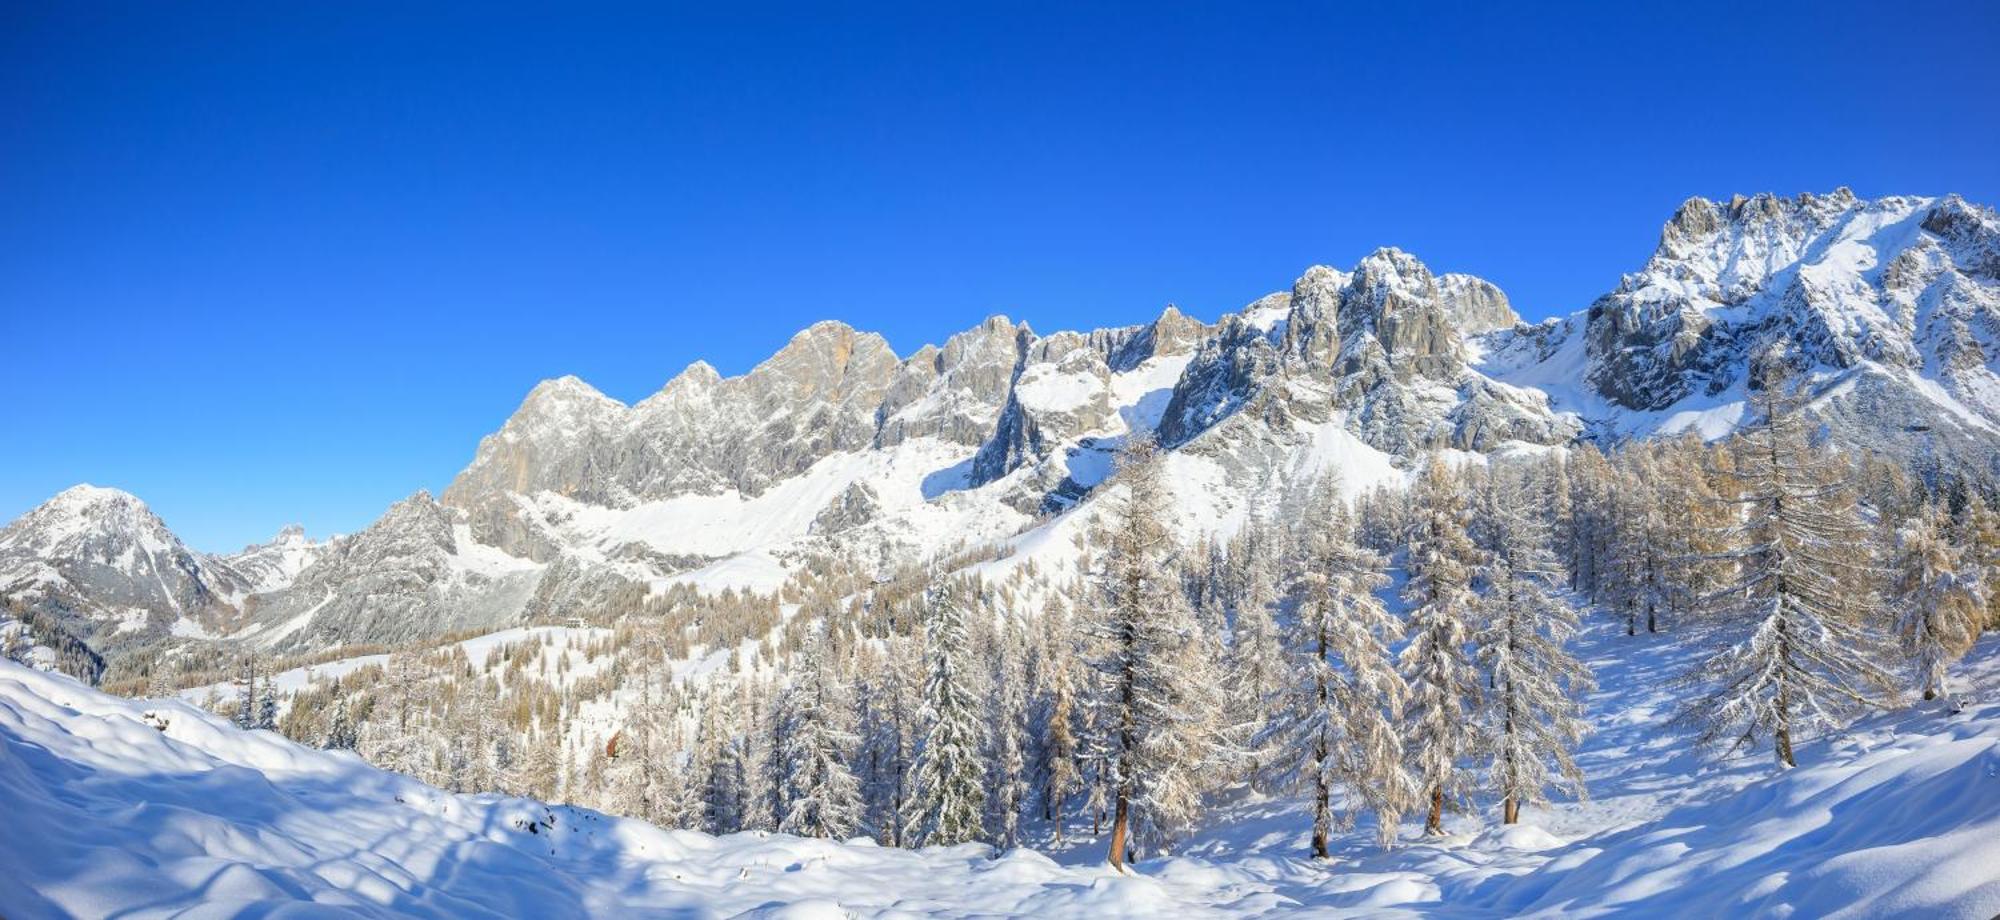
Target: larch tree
(1009, 721)
(1938, 600)
(1979, 533)
(1436, 664)
(1258, 672)
(1058, 776)
(1335, 729)
(1155, 718)
(1533, 715)
(949, 794)
(1798, 648)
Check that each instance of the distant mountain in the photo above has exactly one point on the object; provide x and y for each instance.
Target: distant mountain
(837, 446)
(98, 564)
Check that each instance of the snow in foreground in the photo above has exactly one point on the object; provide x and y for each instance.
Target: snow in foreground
(137, 808)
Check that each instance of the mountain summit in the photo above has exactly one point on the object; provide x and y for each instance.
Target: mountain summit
(835, 445)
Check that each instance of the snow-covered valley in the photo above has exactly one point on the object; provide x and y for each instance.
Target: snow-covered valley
(145, 808)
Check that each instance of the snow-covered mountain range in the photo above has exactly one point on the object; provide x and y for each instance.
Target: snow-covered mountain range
(837, 446)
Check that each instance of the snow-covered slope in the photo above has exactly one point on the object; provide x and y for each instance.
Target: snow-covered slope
(153, 808)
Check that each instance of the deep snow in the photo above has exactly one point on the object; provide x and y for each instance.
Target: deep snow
(154, 808)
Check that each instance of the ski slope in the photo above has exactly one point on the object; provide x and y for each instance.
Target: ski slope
(154, 808)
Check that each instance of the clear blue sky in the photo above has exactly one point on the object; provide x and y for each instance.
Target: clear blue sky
(261, 263)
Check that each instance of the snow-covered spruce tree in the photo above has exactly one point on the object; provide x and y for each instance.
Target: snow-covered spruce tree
(895, 737)
(1057, 774)
(1444, 683)
(763, 740)
(719, 761)
(822, 797)
(949, 794)
(246, 689)
(1335, 728)
(1797, 642)
(1008, 764)
(1533, 715)
(1155, 692)
(1937, 598)
(340, 732)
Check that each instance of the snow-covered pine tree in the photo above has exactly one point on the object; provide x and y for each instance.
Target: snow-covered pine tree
(340, 731)
(1443, 682)
(1938, 600)
(246, 688)
(719, 761)
(1533, 715)
(1335, 727)
(897, 735)
(1157, 700)
(1798, 645)
(822, 797)
(948, 796)
(763, 779)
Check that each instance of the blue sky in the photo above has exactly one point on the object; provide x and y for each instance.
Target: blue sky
(263, 263)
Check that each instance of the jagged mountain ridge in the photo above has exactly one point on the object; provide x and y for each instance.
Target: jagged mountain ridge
(837, 445)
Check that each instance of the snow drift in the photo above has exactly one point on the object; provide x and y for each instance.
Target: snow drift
(154, 808)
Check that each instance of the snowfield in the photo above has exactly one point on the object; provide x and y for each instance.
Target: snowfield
(154, 808)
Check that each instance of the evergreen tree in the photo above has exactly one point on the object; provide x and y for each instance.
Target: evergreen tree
(822, 797)
(340, 731)
(949, 797)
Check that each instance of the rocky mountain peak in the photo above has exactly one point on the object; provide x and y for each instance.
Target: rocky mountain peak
(1474, 305)
(86, 512)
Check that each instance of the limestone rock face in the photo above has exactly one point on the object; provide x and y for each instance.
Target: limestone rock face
(1889, 308)
(415, 572)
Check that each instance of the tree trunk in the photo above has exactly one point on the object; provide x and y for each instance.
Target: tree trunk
(1320, 819)
(1511, 812)
(1783, 731)
(1434, 825)
(1117, 854)
(1319, 841)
